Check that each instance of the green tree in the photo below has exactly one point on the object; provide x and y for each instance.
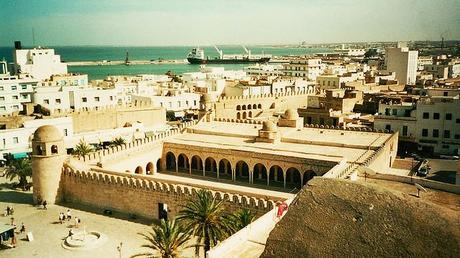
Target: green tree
(166, 238)
(242, 218)
(118, 141)
(82, 148)
(21, 169)
(205, 216)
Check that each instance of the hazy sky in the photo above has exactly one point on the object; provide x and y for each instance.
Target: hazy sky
(202, 22)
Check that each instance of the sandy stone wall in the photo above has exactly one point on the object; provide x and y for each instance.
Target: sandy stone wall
(140, 196)
(227, 107)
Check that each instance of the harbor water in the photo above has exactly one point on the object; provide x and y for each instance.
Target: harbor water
(111, 53)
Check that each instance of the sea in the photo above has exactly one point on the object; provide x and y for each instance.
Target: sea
(117, 53)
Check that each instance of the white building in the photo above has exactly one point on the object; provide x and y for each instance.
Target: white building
(306, 68)
(40, 63)
(264, 70)
(14, 92)
(438, 125)
(178, 103)
(403, 62)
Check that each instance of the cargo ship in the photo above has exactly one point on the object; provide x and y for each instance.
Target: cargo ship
(196, 56)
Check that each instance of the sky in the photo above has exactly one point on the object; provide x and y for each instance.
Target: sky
(207, 22)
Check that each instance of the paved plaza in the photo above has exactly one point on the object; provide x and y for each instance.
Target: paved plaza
(49, 234)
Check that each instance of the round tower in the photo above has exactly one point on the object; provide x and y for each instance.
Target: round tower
(48, 155)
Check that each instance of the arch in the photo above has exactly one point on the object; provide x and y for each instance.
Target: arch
(259, 174)
(238, 115)
(238, 107)
(292, 178)
(243, 107)
(54, 149)
(149, 168)
(308, 175)
(210, 167)
(260, 106)
(40, 150)
(182, 163)
(225, 169)
(171, 161)
(254, 106)
(249, 107)
(197, 165)
(276, 176)
(244, 115)
(139, 170)
(158, 165)
(242, 171)
(250, 114)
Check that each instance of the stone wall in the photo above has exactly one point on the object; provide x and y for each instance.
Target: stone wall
(227, 107)
(140, 195)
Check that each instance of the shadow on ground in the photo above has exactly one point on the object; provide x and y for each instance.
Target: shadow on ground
(443, 176)
(12, 196)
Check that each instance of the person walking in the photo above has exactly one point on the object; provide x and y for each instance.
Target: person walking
(61, 217)
(44, 205)
(69, 216)
(23, 228)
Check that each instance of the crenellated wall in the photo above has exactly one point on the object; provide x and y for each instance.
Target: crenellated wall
(140, 195)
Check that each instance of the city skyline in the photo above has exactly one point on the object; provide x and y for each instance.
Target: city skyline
(182, 23)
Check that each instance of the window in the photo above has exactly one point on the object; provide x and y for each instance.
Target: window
(404, 132)
(435, 133)
(445, 93)
(96, 99)
(111, 98)
(426, 115)
(46, 101)
(425, 132)
(54, 149)
(2, 98)
(394, 112)
(15, 107)
(24, 87)
(58, 101)
(14, 87)
(457, 136)
(436, 116)
(388, 127)
(84, 99)
(387, 111)
(15, 140)
(446, 134)
(16, 97)
(65, 132)
(2, 108)
(457, 120)
(1, 88)
(448, 116)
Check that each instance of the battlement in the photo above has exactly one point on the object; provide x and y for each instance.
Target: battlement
(268, 95)
(243, 121)
(111, 179)
(104, 109)
(359, 129)
(138, 144)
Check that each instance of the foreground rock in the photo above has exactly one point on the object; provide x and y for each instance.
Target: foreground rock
(335, 218)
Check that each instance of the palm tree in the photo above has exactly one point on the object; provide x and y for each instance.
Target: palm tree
(82, 148)
(20, 168)
(242, 218)
(167, 238)
(118, 141)
(206, 218)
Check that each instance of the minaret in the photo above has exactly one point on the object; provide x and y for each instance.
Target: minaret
(48, 155)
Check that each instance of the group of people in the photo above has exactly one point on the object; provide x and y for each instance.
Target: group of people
(68, 216)
(13, 233)
(8, 211)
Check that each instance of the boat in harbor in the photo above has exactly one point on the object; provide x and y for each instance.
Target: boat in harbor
(196, 56)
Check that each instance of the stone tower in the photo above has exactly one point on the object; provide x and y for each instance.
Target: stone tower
(48, 155)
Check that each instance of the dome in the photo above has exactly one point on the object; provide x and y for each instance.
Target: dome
(47, 133)
(268, 126)
(291, 114)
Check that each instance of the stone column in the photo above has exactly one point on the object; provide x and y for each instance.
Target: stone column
(204, 169)
(190, 169)
(217, 171)
(251, 177)
(177, 164)
(233, 174)
(284, 180)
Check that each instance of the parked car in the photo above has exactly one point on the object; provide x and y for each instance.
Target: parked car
(423, 170)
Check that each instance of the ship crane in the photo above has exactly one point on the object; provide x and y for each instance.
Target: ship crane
(248, 52)
(221, 53)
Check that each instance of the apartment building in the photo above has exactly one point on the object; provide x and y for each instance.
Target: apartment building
(305, 68)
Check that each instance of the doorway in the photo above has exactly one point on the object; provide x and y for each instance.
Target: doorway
(162, 211)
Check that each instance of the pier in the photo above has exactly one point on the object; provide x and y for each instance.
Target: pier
(121, 62)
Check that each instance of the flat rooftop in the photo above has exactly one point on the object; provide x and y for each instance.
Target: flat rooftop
(308, 143)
